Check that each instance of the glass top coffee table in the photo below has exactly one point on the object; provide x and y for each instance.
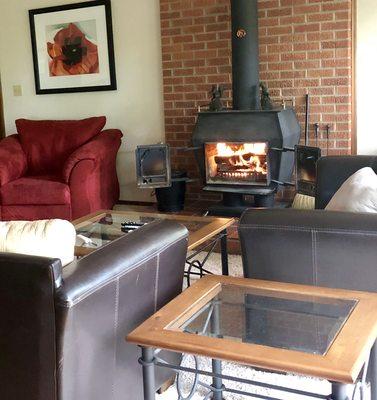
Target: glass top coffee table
(319, 332)
(204, 233)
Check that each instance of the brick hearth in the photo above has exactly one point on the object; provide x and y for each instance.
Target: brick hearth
(305, 45)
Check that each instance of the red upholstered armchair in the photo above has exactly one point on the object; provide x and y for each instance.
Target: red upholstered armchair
(58, 169)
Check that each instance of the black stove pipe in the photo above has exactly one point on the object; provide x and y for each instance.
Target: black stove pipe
(245, 55)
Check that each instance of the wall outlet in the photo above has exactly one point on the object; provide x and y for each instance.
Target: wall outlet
(17, 90)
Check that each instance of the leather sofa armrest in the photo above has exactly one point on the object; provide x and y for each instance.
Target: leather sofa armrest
(93, 151)
(107, 294)
(13, 163)
(333, 171)
(88, 274)
(27, 326)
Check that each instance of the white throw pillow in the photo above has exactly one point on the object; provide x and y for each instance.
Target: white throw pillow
(357, 194)
(53, 238)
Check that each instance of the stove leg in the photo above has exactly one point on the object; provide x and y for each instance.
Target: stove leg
(265, 201)
(233, 199)
(339, 391)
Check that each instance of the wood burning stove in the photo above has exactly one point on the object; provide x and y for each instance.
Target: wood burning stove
(278, 130)
(243, 151)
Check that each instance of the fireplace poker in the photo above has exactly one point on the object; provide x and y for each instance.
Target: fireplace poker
(327, 138)
(307, 110)
(316, 132)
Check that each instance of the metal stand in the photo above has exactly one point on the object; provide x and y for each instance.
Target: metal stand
(339, 391)
(266, 201)
(217, 383)
(147, 361)
(224, 252)
(217, 389)
(196, 267)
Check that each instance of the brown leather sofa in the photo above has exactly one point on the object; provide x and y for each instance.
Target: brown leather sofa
(62, 330)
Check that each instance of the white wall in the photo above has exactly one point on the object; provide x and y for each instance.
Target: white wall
(136, 107)
(366, 76)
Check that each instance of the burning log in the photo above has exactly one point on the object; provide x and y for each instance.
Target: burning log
(230, 168)
(237, 158)
(234, 159)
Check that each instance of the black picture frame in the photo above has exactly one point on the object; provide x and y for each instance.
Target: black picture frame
(108, 45)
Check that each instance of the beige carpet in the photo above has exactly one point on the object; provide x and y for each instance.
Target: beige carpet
(297, 382)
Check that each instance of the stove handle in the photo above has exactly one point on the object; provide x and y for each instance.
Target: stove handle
(283, 183)
(283, 149)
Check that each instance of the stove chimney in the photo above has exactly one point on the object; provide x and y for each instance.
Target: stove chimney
(245, 55)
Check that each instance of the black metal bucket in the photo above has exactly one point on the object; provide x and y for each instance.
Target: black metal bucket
(172, 199)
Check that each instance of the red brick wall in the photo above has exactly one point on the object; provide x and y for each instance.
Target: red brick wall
(305, 45)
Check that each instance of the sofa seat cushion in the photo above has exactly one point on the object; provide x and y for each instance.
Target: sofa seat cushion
(53, 238)
(48, 144)
(35, 190)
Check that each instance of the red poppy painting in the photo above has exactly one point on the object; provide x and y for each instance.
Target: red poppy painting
(72, 53)
(73, 49)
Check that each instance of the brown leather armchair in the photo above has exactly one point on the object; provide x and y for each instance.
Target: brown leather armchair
(316, 247)
(62, 330)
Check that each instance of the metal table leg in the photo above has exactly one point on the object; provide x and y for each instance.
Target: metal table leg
(373, 372)
(217, 383)
(339, 391)
(224, 252)
(147, 361)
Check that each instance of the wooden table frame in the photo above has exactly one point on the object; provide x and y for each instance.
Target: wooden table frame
(341, 364)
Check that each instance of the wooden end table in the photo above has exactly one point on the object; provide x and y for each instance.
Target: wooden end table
(205, 233)
(307, 330)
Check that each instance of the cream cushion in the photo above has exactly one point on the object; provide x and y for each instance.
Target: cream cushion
(53, 238)
(357, 194)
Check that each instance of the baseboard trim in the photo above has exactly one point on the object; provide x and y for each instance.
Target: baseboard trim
(135, 203)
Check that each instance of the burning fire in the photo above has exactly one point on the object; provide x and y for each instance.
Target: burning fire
(232, 162)
(244, 155)
(225, 150)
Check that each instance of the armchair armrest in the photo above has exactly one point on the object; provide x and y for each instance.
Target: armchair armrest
(333, 171)
(13, 162)
(96, 149)
(91, 174)
(317, 247)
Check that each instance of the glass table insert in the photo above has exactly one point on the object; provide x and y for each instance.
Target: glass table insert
(104, 226)
(302, 323)
(108, 227)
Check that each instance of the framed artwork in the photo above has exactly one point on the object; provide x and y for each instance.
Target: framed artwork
(73, 48)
